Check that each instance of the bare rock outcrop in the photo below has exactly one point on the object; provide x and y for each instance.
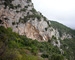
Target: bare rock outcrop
(21, 16)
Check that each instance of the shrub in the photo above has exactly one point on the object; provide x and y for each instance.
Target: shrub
(14, 55)
(34, 49)
(23, 9)
(17, 11)
(28, 1)
(8, 3)
(0, 21)
(26, 7)
(33, 10)
(13, 23)
(53, 37)
(11, 6)
(57, 57)
(44, 55)
(45, 29)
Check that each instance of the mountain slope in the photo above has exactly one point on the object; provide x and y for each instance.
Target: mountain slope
(16, 47)
(22, 17)
(62, 28)
(26, 34)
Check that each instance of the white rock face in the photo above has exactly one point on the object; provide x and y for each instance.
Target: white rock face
(21, 2)
(57, 43)
(24, 21)
(53, 32)
(40, 25)
(65, 36)
(32, 32)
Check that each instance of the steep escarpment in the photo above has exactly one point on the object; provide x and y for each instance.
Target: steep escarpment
(17, 14)
(21, 17)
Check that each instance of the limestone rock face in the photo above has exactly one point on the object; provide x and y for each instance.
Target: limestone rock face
(66, 36)
(32, 32)
(4, 18)
(21, 16)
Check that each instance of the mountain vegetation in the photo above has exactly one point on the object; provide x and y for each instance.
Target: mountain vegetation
(26, 34)
(62, 28)
(16, 47)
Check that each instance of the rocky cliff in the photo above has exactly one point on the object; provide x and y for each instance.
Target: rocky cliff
(21, 16)
(55, 41)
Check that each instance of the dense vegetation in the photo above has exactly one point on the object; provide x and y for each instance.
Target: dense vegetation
(62, 28)
(16, 47)
(68, 45)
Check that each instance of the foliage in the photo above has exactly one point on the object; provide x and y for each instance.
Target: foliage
(28, 1)
(8, 3)
(33, 10)
(0, 21)
(44, 55)
(13, 23)
(68, 45)
(26, 18)
(56, 57)
(26, 7)
(16, 47)
(45, 29)
(23, 9)
(62, 28)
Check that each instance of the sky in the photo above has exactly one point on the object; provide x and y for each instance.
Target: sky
(62, 11)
